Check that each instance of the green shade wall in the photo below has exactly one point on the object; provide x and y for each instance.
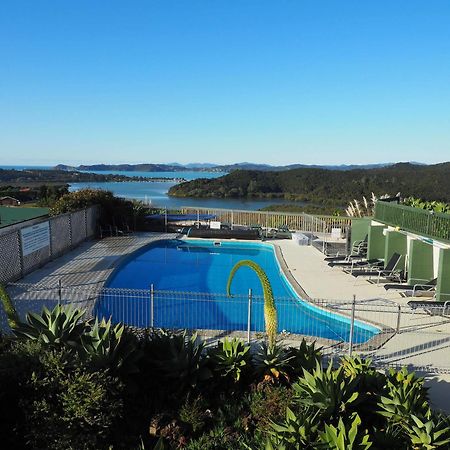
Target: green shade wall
(420, 262)
(443, 284)
(396, 242)
(376, 242)
(359, 229)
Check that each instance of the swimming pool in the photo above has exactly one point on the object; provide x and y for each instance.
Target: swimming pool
(202, 266)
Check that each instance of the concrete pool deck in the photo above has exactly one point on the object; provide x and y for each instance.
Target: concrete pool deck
(423, 340)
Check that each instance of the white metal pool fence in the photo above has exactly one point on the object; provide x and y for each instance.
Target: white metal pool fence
(417, 339)
(324, 228)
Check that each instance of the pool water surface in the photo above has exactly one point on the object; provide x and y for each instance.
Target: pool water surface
(203, 266)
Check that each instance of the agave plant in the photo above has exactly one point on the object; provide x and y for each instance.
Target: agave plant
(230, 358)
(62, 325)
(345, 438)
(406, 396)
(270, 310)
(306, 356)
(296, 431)
(110, 346)
(273, 363)
(429, 435)
(8, 307)
(327, 390)
(177, 358)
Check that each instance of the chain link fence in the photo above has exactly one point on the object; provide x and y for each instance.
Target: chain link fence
(388, 333)
(66, 232)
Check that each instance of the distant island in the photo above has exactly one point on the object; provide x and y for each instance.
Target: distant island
(208, 167)
(35, 176)
(325, 186)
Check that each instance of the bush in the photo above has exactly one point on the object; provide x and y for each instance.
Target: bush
(113, 210)
(69, 407)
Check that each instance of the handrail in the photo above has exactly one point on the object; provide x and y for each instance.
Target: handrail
(415, 220)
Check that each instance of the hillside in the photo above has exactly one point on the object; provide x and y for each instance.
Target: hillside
(207, 167)
(331, 187)
(24, 177)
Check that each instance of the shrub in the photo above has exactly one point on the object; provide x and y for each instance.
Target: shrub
(194, 413)
(273, 364)
(177, 360)
(269, 404)
(113, 210)
(69, 408)
(8, 307)
(328, 391)
(306, 356)
(112, 347)
(61, 326)
(230, 359)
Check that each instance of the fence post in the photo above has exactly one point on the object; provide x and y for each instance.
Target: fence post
(59, 291)
(152, 305)
(398, 318)
(249, 315)
(352, 326)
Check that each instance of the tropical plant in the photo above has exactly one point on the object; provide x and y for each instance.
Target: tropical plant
(60, 326)
(326, 390)
(230, 358)
(429, 435)
(306, 356)
(345, 438)
(108, 346)
(8, 307)
(273, 363)
(177, 358)
(270, 311)
(297, 431)
(406, 396)
(435, 206)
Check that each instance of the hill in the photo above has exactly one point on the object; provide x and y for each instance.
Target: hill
(325, 186)
(208, 167)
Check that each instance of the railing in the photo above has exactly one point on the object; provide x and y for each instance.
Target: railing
(416, 220)
(381, 329)
(270, 219)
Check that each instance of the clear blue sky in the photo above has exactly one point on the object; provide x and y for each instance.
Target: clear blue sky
(224, 81)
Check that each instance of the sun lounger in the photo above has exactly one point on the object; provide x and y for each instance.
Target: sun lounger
(427, 286)
(359, 250)
(356, 263)
(389, 271)
(431, 307)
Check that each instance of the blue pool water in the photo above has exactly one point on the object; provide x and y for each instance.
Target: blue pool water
(202, 266)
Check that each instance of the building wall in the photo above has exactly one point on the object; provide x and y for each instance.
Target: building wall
(443, 284)
(420, 262)
(376, 242)
(396, 242)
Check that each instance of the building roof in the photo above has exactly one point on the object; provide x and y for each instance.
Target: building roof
(10, 216)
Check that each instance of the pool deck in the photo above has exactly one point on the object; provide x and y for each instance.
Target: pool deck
(423, 340)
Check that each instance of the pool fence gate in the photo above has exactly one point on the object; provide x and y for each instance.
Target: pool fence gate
(390, 334)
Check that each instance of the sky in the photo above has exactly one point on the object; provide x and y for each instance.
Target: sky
(278, 82)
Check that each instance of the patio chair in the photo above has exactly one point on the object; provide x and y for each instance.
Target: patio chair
(431, 307)
(356, 263)
(283, 232)
(429, 285)
(389, 272)
(358, 250)
(350, 266)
